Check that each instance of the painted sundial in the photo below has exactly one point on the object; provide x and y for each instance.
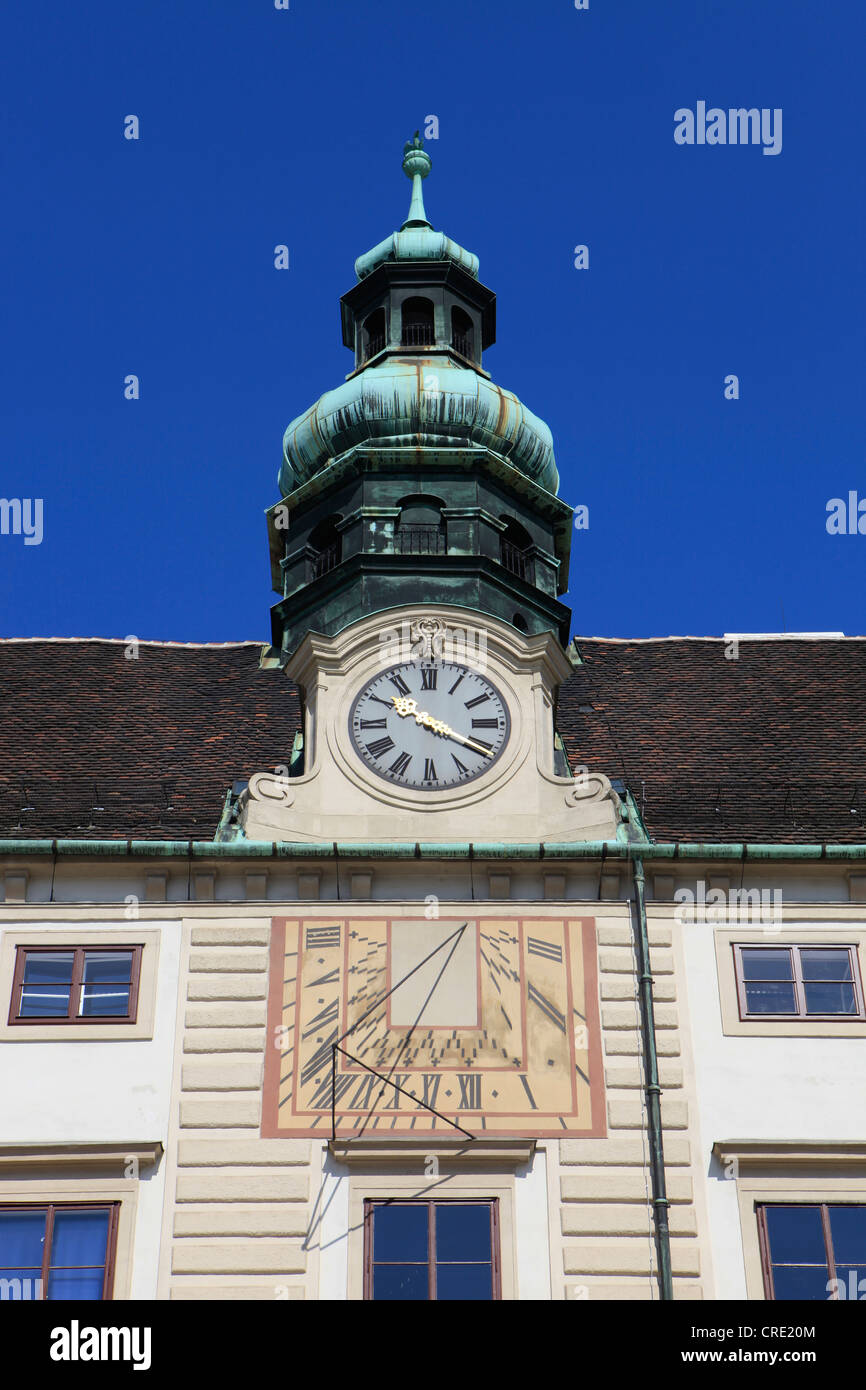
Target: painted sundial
(403, 1024)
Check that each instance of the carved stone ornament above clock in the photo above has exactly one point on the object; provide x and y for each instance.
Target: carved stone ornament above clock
(433, 725)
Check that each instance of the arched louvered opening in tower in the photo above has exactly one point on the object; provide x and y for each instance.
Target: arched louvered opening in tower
(373, 334)
(462, 333)
(324, 548)
(420, 528)
(514, 545)
(418, 325)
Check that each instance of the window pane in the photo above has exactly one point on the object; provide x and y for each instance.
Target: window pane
(104, 1000)
(830, 999)
(110, 966)
(848, 1233)
(462, 1232)
(400, 1281)
(464, 1282)
(84, 1284)
(80, 1238)
(48, 967)
(400, 1232)
(21, 1236)
(796, 1235)
(767, 963)
(799, 1281)
(774, 997)
(44, 1001)
(825, 965)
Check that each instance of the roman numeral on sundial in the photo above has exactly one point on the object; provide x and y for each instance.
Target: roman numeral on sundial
(548, 950)
(470, 1091)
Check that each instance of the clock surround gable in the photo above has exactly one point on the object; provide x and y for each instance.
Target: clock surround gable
(340, 797)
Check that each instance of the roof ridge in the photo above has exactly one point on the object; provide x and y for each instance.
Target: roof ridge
(142, 641)
(728, 637)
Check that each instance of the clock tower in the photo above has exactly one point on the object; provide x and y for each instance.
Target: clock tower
(419, 549)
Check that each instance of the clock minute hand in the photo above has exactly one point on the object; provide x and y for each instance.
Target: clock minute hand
(406, 705)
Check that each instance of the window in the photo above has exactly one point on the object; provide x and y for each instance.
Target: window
(325, 548)
(420, 528)
(804, 1249)
(461, 332)
(515, 543)
(431, 1250)
(373, 339)
(57, 1251)
(418, 330)
(798, 981)
(75, 984)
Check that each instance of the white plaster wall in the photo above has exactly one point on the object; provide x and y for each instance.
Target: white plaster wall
(101, 1092)
(760, 1088)
(531, 1229)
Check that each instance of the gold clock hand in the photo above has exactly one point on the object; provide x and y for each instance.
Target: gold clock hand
(406, 705)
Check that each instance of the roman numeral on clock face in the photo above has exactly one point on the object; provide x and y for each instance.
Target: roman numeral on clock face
(401, 685)
(400, 764)
(374, 723)
(429, 770)
(485, 723)
(381, 745)
(429, 676)
(479, 700)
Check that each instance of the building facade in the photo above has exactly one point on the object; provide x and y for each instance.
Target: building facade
(423, 953)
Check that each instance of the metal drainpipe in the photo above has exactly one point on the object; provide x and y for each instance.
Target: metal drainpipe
(652, 1090)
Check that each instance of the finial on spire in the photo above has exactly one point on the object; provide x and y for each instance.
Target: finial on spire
(416, 166)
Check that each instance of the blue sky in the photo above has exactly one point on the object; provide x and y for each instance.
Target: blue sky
(260, 127)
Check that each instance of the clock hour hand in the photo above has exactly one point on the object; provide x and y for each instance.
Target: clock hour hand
(406, 705)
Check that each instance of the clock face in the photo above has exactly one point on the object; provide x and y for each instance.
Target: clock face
(409, 1025)
(429, 726)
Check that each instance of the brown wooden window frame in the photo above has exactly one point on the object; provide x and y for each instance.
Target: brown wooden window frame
(798, 981)
(766, 1253)
(492, 1203)
(75, 988)
(50, 1208)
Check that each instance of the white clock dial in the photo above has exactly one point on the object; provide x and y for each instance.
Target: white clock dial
(429, 726)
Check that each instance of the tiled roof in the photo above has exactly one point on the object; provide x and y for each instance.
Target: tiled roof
(155, 741)
(768, 748)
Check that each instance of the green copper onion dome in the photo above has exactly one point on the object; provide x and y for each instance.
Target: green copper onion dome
(418, 320)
